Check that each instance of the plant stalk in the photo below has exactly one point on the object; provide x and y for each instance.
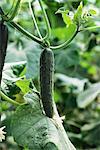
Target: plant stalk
(89, 28)
(66, 43)
(29, 35)
(14, 12)
(46, 21)
(21, 29)
(34, 20)
(8, 99)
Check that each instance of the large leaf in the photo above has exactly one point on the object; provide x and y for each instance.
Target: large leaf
(76, 83)
(66, 58)
(33, 52)
(12, 71)
(11, 74)
(66, 18)
(60, 33)
(32, 129)
(66, 33)
(86, 97)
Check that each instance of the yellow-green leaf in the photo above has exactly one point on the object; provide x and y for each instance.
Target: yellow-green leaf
(66, 19)
(78, 14)
(92, 12)
(23, 85)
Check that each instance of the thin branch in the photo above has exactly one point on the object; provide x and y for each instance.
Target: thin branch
(89, 28)
(46, 21)
(65, 44)
(29, 35)
(21, 29)
(11, 8)
(6, 98)
(35, 22)
(15, 11)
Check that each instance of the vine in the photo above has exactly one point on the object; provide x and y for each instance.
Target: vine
(44, 41)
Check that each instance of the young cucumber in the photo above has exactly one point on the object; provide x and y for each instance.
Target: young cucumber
(46, 80)
(3, 45)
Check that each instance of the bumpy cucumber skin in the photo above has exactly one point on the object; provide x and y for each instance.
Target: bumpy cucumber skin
(3, 45)
(46, 80)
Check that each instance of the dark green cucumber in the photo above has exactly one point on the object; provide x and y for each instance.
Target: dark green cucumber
(46, 80)
(3, 45)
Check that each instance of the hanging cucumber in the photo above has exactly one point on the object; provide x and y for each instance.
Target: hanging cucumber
(3, 45)
(46, 80)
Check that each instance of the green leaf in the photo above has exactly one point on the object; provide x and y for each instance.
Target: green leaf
(67, 58)
(23, 84)
(89, 127)
(11, 74)
(71, 30)
(12, 71)
(78, 14)
(33, 52)
(67, 19)
(61, 10)
(60, 33)
(91, 132)
(85, 98)
(77, 84)
(65, 33)
(92, 12)
(32, 129)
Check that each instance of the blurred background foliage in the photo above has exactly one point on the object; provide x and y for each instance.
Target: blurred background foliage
(77, 71)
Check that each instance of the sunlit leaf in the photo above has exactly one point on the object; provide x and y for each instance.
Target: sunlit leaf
(62, 10)
(92, 12)
(67, 33)
(23, 84)
(78, 14)
(66, 19)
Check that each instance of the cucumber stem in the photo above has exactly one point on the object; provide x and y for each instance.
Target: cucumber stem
(29, 35)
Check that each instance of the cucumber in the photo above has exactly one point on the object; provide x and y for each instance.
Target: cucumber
(46, 80)
(3, 45)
